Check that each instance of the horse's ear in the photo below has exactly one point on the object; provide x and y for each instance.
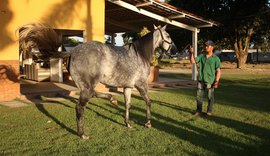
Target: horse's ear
(155, 27)
(164, 27)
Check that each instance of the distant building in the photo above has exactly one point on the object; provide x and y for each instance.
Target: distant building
(254, 55)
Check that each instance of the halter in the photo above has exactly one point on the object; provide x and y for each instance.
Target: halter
(165, 41)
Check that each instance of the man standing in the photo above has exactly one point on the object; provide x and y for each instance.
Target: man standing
(208, 75)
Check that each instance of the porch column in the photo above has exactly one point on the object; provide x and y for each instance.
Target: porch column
(195, 47)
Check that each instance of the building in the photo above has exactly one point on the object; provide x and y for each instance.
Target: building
(90, 19)
(254, 56)
(81, 15)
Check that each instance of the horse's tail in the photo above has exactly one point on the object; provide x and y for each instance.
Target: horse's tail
(41, 37)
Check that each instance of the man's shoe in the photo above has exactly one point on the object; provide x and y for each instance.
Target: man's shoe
(197, 113)
(209, 114)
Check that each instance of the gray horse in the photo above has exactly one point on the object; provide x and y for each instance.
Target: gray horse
(95, 62)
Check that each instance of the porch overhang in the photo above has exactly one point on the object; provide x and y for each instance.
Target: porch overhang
(132, 15)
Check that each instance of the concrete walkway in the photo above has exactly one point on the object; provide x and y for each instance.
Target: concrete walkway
(30, 90)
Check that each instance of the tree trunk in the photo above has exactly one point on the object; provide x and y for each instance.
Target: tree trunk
(241, 61)
(241, 56)
(241, 47)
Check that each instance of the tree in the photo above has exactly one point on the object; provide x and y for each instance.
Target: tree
(130, 37)
(240, 19)
(262, 36)
(71, 41)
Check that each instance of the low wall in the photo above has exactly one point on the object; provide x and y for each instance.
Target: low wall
(9, 80)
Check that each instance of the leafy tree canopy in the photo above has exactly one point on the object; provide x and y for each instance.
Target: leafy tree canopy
(233, 15)
(244, 23)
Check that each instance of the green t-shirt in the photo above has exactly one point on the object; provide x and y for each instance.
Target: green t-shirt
(207, 67)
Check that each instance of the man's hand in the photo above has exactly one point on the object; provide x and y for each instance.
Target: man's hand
(215, 85)
(191, 50)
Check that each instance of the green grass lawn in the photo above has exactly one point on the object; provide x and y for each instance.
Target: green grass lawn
(240, 125)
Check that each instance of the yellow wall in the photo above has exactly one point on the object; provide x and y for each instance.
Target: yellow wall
(88, 15)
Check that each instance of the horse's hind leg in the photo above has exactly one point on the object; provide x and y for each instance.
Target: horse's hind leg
(85, 95)
(107, 96)
(127, 95)
(143, 91)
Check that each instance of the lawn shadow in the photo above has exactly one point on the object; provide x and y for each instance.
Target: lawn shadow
(197, 136)
(39, 103)
(43, 110)
(166, 104)
(105, 109)
(182, 76)
(48, 92)
(242, 127)
(183, 130)
(241, 93)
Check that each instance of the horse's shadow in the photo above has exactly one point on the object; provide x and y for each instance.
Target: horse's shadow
(42, 109)
(40, 106)
(104, 116)
(190, 133)
(181, 129)
(166, 104)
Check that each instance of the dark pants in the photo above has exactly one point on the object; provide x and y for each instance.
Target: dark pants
(202, 88)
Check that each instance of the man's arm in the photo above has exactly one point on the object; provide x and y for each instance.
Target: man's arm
(192, 58)
(218, 74)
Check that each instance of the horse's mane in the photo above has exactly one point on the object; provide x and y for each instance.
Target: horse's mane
(144, 47)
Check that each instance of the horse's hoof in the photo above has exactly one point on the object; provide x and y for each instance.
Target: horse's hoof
(114, 103)
(128, 126)
(84, 137)
(148, 125)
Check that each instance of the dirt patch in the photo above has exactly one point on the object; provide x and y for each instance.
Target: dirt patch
(229, 67)
(233, 65)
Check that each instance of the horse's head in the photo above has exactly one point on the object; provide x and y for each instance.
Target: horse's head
(163, 39)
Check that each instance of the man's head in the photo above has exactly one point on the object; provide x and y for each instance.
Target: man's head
(209, 46)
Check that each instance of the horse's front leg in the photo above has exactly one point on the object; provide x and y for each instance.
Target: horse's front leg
(127, 96)
(143, 91)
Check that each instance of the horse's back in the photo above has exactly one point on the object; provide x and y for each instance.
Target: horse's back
(99, 62)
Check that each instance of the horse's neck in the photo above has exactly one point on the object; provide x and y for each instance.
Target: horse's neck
(156, 39)
(145, 47)
(148, 42)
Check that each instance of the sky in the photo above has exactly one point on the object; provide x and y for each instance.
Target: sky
(119, 39)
